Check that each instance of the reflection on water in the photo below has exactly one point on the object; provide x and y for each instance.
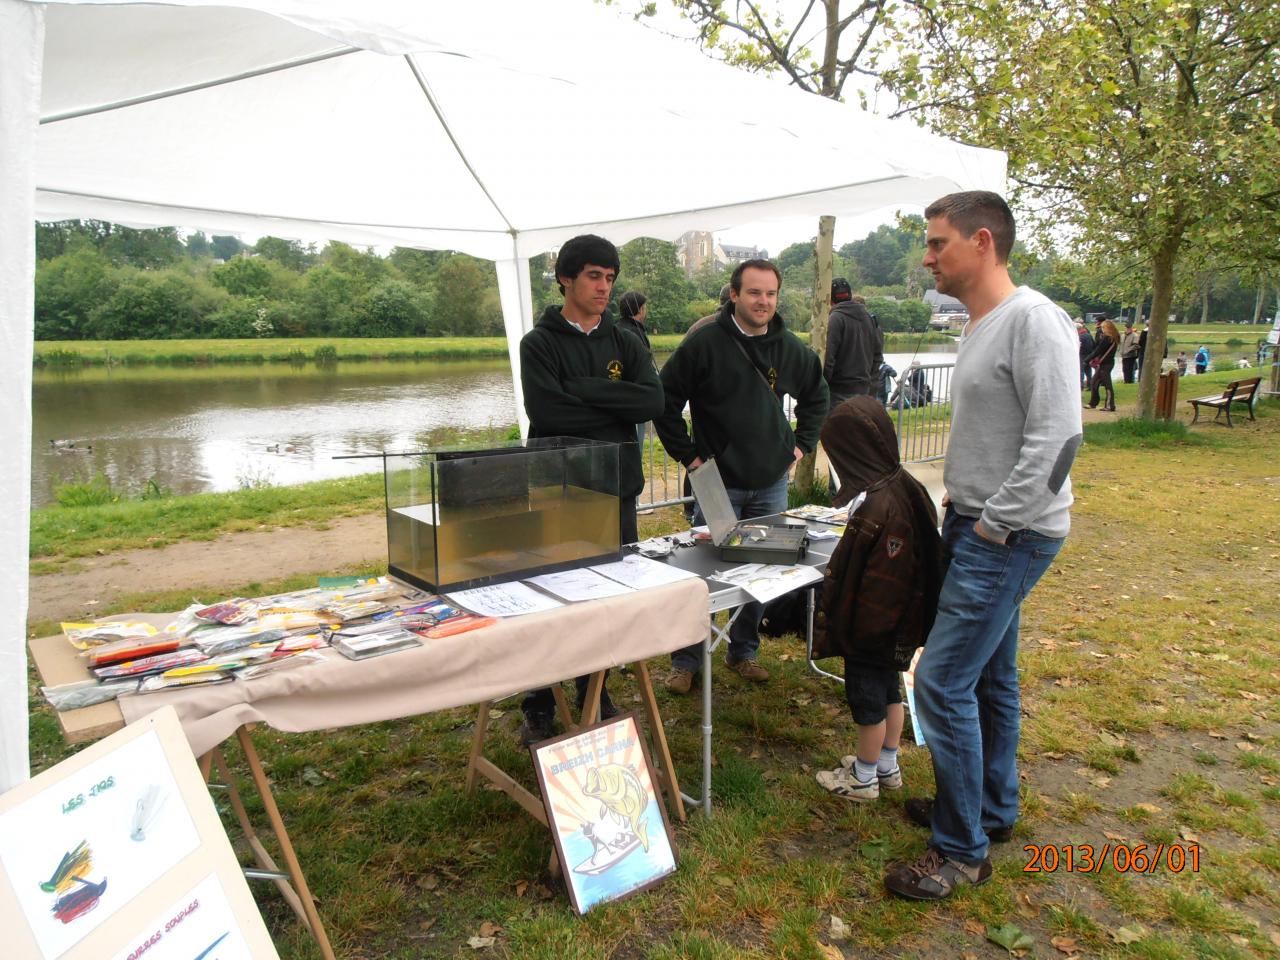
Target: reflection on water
(220, 428)
(224, 427)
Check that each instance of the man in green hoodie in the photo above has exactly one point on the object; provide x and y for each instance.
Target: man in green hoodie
(584, 376)
(733, 373)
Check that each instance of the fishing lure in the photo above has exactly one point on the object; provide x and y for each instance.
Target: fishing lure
(80, 901)
(79, 860)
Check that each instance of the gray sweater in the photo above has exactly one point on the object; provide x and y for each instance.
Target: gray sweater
(1015, 425)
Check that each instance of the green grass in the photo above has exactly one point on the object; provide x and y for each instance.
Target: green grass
(1148, 652)
(299, 350)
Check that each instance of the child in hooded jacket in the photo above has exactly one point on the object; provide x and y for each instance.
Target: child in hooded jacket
(880, 592)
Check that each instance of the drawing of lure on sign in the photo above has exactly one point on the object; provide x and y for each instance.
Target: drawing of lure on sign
(76, 896)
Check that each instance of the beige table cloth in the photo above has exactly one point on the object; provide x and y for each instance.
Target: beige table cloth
(513, 655)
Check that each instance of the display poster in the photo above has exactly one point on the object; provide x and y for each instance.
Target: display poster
(200, 924)
(909, 684)
(641, 573)
(504, 600)
(768, 581)
(118, 852)
(607, 820)
(76, 854)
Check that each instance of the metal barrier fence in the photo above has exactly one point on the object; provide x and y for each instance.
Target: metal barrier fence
(920, 405)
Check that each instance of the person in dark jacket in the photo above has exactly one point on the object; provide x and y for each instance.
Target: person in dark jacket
(1086, 351)
(583, 376)
(633, 309)
(1103, 361)
(880, 591)
(733, 373)
(855, 346)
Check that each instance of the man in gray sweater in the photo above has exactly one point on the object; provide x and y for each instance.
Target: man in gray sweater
(1014, 434)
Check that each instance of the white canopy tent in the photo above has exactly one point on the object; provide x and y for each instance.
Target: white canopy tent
(498, 128)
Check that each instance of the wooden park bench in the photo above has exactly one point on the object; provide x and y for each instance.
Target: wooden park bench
(1238, 391)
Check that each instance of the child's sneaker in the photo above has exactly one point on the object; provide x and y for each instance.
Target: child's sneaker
(888, 781)
(843, 783)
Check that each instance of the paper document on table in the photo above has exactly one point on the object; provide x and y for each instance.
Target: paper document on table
(640, 573)
(765, 581)
(581, 584)
(504, 600)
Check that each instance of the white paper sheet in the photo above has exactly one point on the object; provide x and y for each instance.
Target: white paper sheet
(577, 585)
(640, 573)
(766, 581)
(504, 600)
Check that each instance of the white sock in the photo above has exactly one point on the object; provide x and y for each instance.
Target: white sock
(888, 761)
(865, 772)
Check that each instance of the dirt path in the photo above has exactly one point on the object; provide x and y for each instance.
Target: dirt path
(209, 568)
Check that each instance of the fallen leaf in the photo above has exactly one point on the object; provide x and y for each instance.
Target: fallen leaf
(489, 929)
(429, 882)
(722, 881)
(1065, 944)
(968, 955)
(1110, 739)
(1026, 907)
(1238, 940)
(1051, 755)
(976, 927)
(839, 929)
(480, 943)
(542, 891)
(1010, 937)
(1064, 682)
(1217, 735)
(1148, 807)
(426, 925)
(311, 776)
(1101, 782)
(830, 952)
(1243, 745)
(1186, 834)
(522, 887)
(495, 714)
(1130, 934)
(1117, 837)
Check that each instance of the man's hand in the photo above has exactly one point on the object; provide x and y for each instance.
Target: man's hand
(695, 463)
(946, 500)
(977, 528)
(798, 454)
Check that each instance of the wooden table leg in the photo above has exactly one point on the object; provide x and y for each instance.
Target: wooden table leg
(562, 708)
(591, 702)
(662, 752)
(286, 847)
(477, 745)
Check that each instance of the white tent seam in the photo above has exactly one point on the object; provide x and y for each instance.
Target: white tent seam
(462, 155)
(203, 85)
(116, 198)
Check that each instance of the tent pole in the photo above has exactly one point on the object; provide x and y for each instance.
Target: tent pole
(21, 67)
(517, 317)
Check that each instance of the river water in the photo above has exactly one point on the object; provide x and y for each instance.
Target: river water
(196, 429)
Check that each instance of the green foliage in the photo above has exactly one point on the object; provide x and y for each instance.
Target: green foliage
(653, 268)
(93, 493)
(68, 288)
(460, 285)
(896, 316)
(243, 277)
(148, 305)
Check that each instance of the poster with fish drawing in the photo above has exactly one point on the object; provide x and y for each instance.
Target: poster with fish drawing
(80, 850)
(607, 820)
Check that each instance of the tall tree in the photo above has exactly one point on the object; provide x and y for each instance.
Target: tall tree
(1134, 127)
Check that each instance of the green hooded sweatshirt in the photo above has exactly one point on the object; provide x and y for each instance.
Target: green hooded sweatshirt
(596, 386)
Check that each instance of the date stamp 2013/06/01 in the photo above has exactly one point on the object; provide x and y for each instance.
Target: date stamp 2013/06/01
(1121, 857)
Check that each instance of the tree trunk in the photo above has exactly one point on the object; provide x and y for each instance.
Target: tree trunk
(1204, 304)
(1158, 325)
(1257, 303)
(818, 327)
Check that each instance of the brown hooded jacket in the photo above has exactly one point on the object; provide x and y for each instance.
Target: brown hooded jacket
(880, 593)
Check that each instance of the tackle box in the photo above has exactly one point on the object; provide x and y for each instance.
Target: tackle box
(767, 540)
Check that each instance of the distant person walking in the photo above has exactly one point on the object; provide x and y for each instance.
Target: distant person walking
(1086, 351)
(1182, 363)
(1129, 346)
(1103, 361)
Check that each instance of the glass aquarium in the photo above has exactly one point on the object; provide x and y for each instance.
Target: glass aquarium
(464, 518)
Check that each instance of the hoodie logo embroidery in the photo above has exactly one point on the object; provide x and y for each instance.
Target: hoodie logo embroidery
(894, 546)
(773, 378)
(615, 369)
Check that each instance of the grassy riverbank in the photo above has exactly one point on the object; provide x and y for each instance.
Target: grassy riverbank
(1151, 703)
(76, 353)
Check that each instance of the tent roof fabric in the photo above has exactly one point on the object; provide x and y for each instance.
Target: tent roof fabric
(499, 129)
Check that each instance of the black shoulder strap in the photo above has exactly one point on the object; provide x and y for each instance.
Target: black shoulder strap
(763, 379)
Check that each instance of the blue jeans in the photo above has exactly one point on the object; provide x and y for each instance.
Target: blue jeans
(744, 635)
(967, 682)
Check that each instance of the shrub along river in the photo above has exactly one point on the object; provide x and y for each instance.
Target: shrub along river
(198, 429)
